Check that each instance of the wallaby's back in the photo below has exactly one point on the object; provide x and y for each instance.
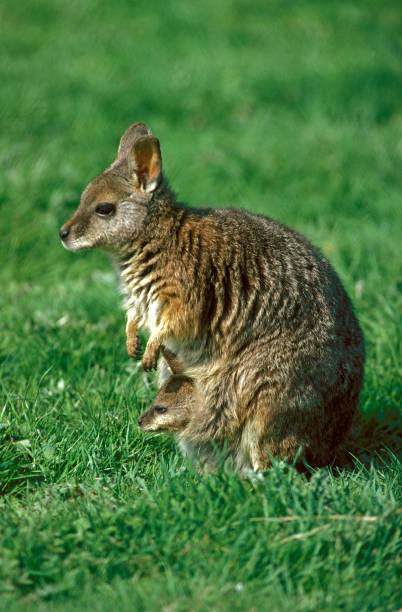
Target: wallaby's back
(264, 326)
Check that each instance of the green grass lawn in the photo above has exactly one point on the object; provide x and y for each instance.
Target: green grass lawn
(285, 108)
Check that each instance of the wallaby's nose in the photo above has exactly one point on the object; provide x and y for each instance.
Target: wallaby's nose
(64, 232)
(139, 420)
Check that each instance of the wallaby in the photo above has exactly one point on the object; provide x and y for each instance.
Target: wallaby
(177, 408)
(174, 403)
(255, 313)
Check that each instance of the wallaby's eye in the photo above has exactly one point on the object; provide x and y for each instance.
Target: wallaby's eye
(105, 209)
(160, 409)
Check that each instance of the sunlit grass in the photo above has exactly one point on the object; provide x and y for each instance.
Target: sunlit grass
(288, 109)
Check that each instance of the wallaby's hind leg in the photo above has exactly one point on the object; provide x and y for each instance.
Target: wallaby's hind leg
(255, 448)
(265, 448)
(268, 434)
(259, 458)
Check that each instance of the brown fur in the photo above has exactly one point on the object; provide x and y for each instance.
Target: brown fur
(175, 403)
(176, 398)
(176, 408)
(255, 313)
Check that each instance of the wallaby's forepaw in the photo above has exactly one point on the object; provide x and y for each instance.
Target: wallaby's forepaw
(133, 345)
(150, 357)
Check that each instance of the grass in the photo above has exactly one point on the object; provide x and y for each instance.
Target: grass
(290, 109)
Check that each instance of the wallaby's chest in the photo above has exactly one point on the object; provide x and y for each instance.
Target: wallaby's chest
(141, 302)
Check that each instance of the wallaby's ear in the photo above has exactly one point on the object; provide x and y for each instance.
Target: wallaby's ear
(145, 162)
(134, 132)
(175, 366)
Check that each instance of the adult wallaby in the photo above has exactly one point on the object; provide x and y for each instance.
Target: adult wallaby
(255, 313)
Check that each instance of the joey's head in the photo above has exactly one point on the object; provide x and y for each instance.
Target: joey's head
(174, 402)
(171, 408)
(114, 205)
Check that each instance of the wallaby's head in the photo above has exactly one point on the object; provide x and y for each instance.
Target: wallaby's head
(174, 403)
(114, 205)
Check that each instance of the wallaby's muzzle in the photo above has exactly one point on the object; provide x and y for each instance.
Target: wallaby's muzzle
(64, 232)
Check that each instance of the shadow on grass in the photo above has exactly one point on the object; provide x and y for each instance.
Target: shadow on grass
(371, 439)
(17, 466)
